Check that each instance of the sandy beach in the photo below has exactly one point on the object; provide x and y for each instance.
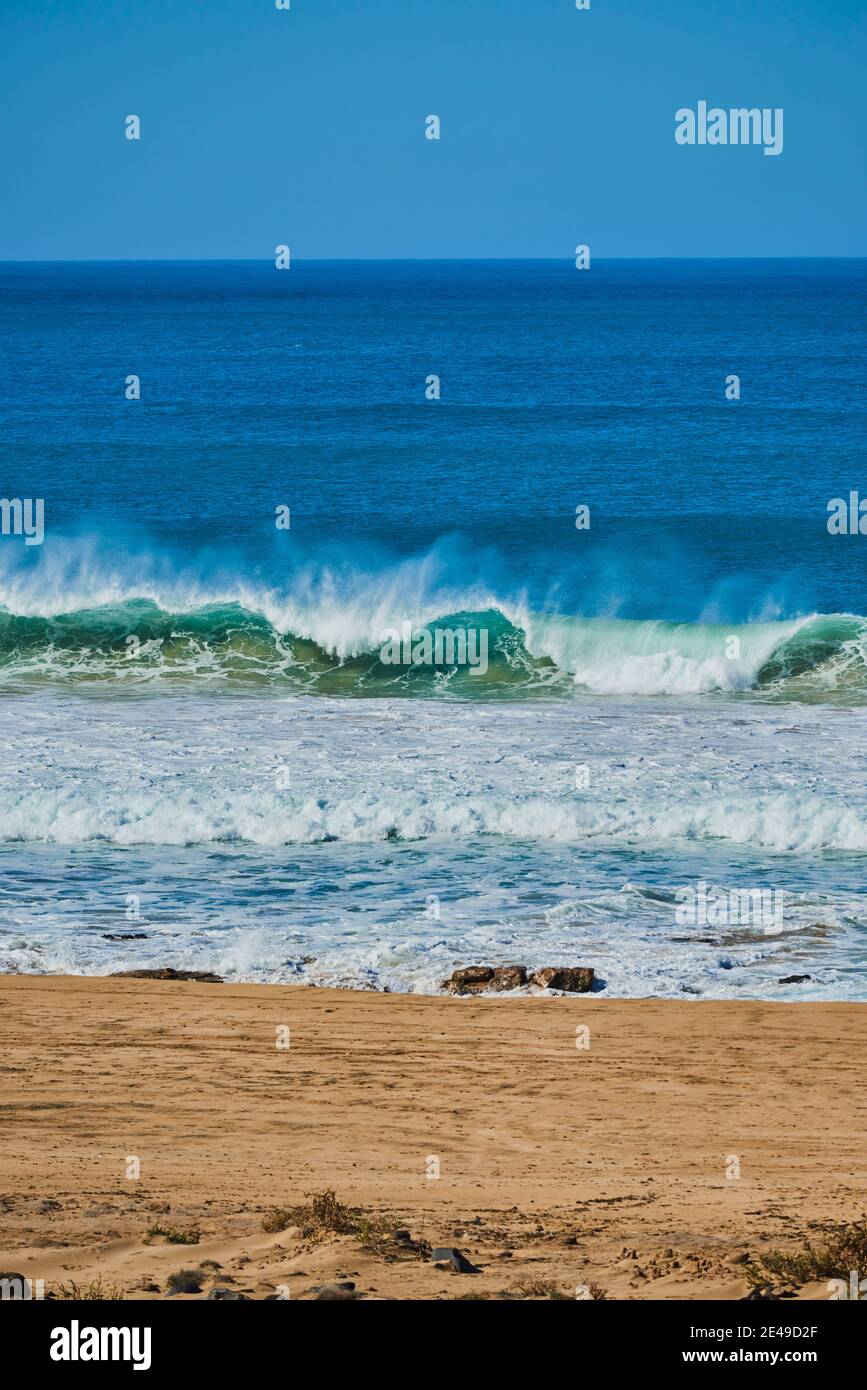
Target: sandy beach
(474, 1124)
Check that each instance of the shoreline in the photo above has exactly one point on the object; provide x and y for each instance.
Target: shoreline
(560, 1166)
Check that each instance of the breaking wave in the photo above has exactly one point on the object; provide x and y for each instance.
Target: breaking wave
(136, 641)
(323, 631)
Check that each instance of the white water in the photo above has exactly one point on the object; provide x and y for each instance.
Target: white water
(332, 821)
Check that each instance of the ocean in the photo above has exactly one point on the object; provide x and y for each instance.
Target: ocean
(262, 488)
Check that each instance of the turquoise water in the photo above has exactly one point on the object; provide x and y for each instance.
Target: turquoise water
(199, 711)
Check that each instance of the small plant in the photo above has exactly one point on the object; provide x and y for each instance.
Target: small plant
(279, 1218)
(95, 1292)
(185, 1281)
(845, 1248)
(328, 1213)
(322, 1212)
(172, 1235)
(539, 1288)
(372, 1232)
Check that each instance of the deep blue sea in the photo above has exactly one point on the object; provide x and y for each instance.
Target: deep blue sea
(207, 747)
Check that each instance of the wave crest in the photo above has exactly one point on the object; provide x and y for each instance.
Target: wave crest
(136, 640)
(77, 616)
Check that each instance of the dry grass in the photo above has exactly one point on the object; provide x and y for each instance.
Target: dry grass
(324, 1213)
(539, 1288)
(95, 1292)
(279, 1219)
(546, 1288)
(372, 1233)
(844, 1248)
(172, 1235)
(185, 1281)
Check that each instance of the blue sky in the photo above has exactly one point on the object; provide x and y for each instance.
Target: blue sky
(306, 127)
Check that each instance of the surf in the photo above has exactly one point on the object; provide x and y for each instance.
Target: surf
(135, 641)
(126, 613)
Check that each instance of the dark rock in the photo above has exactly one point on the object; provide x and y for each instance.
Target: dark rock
(447, 1254)
(475, 979)
(508, 977)
(124, 936)
(574, 979)
(472, 979)
(336, 1293)
(226, 1294)
(167, 973)
(403, 1237)
(794, 979)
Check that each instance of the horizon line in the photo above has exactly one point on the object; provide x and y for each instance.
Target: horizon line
(390, 260)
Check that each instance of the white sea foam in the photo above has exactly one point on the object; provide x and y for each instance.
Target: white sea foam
(652, 658)
(206, 815)
(298, 771)
(301, 838)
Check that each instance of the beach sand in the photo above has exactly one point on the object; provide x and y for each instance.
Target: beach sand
(559, 1167)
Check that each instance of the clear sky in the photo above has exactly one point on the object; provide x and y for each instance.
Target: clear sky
(306, 127)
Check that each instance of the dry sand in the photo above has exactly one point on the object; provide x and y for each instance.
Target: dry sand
(558, 1167)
